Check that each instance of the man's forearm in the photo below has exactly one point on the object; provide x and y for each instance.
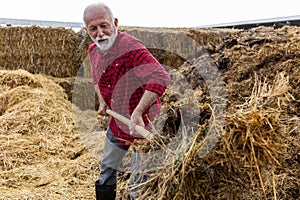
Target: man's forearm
(136, 118)
(147, 99)
(98, 93)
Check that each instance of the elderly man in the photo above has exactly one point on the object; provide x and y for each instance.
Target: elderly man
(128, 80)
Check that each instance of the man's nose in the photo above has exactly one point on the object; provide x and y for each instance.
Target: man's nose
(100, 32)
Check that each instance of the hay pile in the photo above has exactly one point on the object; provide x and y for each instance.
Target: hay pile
(42, 157)
(49, 51)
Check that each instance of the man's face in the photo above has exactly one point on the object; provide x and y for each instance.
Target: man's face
(101, 29)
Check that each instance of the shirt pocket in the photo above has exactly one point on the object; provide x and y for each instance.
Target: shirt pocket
(117, 70)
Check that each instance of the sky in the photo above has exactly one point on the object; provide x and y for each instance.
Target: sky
(154, 13)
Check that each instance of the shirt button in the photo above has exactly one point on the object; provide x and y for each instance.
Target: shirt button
(108, 85)
(104, 72)
(117, 64)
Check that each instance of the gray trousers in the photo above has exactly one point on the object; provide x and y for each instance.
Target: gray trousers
(111, 160)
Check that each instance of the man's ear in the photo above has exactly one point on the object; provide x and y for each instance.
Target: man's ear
(116, 22)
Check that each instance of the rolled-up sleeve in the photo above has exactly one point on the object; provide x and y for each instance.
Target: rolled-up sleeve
(154, 75)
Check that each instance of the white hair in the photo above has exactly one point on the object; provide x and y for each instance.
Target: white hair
(97, 6)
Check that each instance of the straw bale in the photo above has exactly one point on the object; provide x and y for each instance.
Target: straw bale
(83, 94)
(80, 91)
(50, 51)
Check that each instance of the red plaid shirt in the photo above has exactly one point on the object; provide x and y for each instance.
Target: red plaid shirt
(123, 74)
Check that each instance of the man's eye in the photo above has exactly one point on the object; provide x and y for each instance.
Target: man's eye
(104, 26)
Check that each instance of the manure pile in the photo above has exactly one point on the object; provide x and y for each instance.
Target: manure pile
(258, 148)
(234, 138)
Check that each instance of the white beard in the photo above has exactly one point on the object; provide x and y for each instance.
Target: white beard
(107, 45)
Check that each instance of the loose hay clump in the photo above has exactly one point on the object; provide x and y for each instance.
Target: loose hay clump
(257, 135)
(249, 161)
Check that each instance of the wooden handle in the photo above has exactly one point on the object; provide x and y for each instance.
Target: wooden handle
(141, 130)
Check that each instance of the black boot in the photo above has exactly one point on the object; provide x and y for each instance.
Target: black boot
(105, 192)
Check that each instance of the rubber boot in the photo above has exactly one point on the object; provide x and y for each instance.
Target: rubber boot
(105, 192)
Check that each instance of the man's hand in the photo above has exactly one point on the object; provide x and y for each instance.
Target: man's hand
(135, 119)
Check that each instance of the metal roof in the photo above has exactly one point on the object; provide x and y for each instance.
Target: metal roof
(276, 22)
(27, 22)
